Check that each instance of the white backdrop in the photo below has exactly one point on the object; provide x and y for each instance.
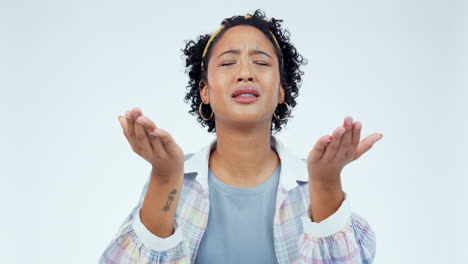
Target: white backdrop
(68, 69)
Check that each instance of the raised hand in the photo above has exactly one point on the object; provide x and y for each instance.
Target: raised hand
(153, 144)
(331, 153)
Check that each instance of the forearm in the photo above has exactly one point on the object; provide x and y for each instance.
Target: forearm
(160, 204)
(325, 200)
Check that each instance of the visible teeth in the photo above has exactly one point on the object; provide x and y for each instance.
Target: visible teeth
(246, 95)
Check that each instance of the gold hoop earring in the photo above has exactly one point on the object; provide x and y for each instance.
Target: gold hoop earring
(201, 114)
(287, 116)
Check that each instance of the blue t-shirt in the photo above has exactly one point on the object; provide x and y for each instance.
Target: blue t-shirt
(240, 223)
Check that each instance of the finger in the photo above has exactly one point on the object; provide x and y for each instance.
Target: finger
(143, 139)
(366, 144)
(123, 124)
(344, 148)
(130, 124)
(357, 128)
(318, 150)
(155, 140)
(132, 115)
(137, 112)
(332, 147)
(127, 122)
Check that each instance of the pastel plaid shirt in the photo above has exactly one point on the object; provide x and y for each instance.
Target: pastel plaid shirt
(344, 237)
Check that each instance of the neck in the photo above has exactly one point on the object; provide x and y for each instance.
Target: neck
(243, 157)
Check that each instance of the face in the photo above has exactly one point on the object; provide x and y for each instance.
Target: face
(243, 56)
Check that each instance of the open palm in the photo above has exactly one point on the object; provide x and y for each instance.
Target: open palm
(331, 153)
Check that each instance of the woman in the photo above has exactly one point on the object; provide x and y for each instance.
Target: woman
(244, 198)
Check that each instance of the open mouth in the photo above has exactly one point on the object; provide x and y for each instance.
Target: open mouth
(245, 99)
(244, 95)
(245, 91)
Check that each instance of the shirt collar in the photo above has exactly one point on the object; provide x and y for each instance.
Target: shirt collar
(293, 169)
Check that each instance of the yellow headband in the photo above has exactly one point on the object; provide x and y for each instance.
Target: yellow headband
(221, 28)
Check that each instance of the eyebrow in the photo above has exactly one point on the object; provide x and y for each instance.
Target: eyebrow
(238, 51)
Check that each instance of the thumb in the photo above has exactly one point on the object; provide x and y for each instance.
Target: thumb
(366, 144)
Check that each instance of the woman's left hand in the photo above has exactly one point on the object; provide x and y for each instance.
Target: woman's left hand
(331, 153)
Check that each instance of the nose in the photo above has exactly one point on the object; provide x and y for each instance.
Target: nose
(244, 73)
(240, 79)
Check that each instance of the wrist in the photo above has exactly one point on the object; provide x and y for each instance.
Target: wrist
(325, 186)
(169, 178)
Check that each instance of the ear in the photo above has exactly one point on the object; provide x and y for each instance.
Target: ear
(281, 94)
(204, 92)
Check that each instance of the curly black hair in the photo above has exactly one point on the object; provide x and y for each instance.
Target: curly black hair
(290, 74)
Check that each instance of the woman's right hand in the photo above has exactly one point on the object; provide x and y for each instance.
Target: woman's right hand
(153, 144)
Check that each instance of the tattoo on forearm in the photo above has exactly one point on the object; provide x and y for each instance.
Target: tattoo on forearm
(169, 201)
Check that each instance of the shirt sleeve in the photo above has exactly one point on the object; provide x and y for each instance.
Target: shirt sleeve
(134, 243)
(344, 237)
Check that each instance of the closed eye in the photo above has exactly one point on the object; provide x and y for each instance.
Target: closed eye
(259, 63)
